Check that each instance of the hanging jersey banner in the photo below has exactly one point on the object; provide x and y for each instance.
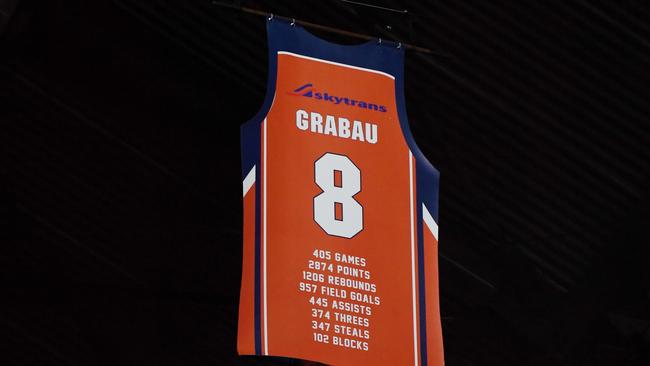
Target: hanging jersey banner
(340, 249)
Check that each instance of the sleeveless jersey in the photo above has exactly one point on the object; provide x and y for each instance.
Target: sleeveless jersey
(340, 211)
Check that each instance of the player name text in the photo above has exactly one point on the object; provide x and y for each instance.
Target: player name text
(336, 126)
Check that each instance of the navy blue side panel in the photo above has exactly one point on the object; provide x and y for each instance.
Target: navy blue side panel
(422, 289)
(251, 157)
(250, 148)
(427, 182)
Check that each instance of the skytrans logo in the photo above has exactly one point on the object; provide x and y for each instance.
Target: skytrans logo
(308, 91)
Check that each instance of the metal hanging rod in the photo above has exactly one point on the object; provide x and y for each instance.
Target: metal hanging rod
(376, 6)
(325, 28)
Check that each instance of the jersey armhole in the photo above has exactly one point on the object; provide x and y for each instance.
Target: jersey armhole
(250, 130)
(428, 177)
(400, 99)
(270, 81)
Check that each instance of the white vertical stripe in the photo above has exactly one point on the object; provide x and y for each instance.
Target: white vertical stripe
(431, 223)
(266, 332)
(415, 324)
(249, 180)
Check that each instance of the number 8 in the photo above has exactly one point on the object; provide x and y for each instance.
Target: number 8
(350, 213)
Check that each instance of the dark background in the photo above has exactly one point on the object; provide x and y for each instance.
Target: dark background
(120, 208)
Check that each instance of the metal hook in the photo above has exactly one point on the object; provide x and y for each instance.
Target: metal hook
(379, 43)
(293, 22)
(399, 45)
(271, 17)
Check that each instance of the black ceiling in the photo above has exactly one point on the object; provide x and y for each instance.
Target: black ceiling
(120, 177)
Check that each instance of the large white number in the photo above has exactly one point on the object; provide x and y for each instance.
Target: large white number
(335, 209)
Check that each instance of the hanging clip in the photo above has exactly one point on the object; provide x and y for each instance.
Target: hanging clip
(293, 22)
(379, 42)
(271, 17)
(399, 45)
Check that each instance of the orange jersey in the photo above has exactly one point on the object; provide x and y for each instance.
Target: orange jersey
(340, 211)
